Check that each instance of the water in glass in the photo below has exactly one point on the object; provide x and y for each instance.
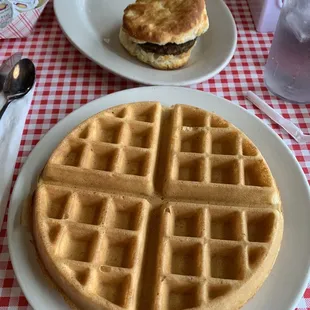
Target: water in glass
(287, 71)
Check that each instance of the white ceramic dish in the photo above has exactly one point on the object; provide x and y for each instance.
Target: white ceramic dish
(287, 281)
(93, 27)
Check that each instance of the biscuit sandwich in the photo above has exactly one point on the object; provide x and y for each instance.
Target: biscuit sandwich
(162, 33)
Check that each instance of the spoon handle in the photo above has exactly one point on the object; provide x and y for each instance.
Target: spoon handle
(3, 109)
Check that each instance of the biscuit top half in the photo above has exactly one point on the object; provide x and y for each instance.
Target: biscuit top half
(165, 21)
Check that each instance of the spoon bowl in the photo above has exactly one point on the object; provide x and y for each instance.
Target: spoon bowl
(7, 66)
(18, 82)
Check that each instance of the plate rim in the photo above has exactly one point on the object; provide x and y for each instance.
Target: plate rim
(157, 82)
(91, 106)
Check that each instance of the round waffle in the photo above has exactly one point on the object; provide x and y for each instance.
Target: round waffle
(143, 206)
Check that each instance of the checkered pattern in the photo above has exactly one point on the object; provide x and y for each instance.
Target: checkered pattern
(67, 80)
(22, 25)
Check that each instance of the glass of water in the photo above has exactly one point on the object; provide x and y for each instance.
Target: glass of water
(287, 71)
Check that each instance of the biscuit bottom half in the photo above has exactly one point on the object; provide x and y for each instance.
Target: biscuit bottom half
(164, 62)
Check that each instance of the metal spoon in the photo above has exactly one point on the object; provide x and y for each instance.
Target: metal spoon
(7, 66)
(18, 82)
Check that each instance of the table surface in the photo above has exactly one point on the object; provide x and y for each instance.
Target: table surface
(67, 80)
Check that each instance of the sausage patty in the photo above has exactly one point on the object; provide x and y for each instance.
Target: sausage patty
(169, 48)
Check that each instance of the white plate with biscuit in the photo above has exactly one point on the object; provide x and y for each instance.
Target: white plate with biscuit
(94, 26)
(276, 293)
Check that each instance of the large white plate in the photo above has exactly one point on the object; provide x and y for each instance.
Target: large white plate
(288, 279)
(93, 27)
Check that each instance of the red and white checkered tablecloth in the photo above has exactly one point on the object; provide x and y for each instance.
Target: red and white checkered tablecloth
(66, 80)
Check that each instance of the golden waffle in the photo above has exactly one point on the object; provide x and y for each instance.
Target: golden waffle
(163, 208)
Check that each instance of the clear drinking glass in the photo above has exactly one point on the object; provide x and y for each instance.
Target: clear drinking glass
(287, 71)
